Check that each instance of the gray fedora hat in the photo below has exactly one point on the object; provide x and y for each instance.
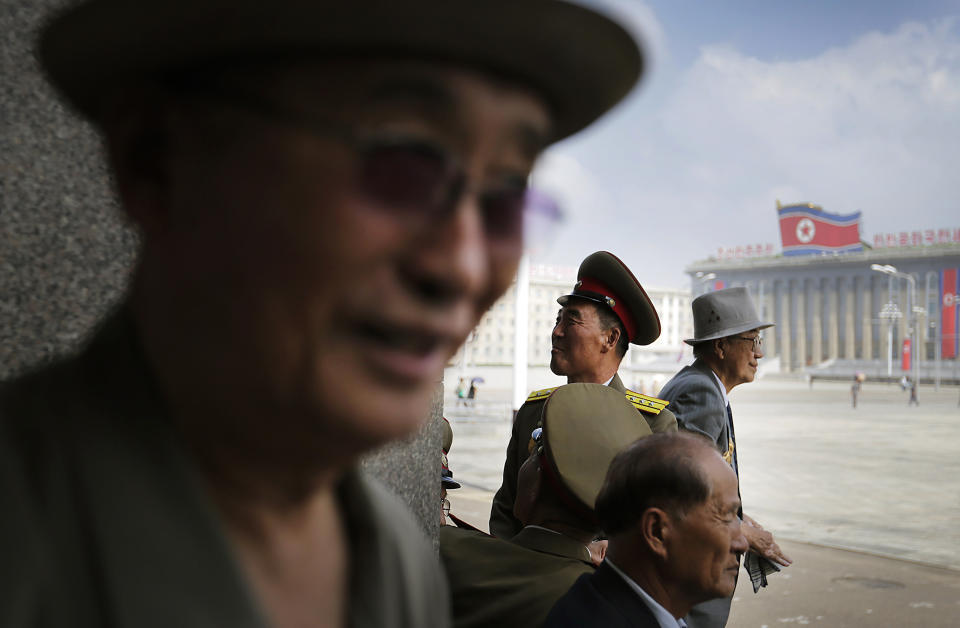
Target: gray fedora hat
(579, 60)
(724, 313)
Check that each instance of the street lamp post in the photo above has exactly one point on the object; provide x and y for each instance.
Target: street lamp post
(703, 278)
(890, 313)
(913, 311)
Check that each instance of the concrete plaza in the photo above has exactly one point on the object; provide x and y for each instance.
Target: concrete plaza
(866, 500)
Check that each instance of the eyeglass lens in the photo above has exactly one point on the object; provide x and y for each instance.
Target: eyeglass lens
(412, 177)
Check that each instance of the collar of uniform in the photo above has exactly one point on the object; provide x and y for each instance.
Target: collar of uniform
(549, 541)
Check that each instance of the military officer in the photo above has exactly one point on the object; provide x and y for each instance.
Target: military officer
(607, 310)
(495, 582)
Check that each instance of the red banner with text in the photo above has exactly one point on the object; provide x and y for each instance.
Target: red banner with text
(948, 313)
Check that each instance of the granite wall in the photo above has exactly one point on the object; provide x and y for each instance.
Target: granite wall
(66, 255)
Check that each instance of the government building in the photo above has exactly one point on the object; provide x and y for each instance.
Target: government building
(842, 313)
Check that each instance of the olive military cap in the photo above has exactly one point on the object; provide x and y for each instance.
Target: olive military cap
(605, 280)
(584, 427)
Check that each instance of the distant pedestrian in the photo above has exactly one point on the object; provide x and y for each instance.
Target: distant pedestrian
(855, 389)
(472, 393)
(913, 395)
(462, 392)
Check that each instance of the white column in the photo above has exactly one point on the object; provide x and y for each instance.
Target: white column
(521, 308)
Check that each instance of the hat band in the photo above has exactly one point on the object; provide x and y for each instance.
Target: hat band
(619, 307)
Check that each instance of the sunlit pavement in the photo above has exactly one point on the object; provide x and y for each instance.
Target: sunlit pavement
(882, 480)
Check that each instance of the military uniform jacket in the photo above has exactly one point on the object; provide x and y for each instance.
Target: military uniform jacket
(104, 522)
(697, 401)
(497, 583)
(601, 600)
(502, 522)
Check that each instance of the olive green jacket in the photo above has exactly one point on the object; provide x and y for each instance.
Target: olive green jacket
(103, 521)
(502, 522)
(509, 583)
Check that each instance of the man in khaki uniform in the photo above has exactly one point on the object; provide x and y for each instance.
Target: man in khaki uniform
(495, 582)
(329, 196)
(607, 310)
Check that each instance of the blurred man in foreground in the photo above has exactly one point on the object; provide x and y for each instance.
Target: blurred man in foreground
(329, 196)
(607, 310)
(727, 346)
(669, 506)
(514, 583)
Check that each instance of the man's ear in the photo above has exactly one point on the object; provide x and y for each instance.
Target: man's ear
(611, 338)
(718, 347)
(136, 131)
(656, 528)
(529, 486)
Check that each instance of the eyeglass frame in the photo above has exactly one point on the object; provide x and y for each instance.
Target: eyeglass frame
(453, 184)
(757, 341)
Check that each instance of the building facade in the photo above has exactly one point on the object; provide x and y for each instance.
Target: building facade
(835, 315)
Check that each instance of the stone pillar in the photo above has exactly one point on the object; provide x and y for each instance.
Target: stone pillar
(800, 348)
(815, 308)
(849, 321)
(834, 291)
(867, 315)
(785, 326)
(770, 343)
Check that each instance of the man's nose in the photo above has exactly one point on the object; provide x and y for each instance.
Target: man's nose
(739, 543)
(451, 257)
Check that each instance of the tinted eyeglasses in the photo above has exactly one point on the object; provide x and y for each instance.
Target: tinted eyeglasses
(409, 177)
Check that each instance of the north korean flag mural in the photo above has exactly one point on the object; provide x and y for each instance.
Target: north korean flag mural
(808, 230)
(948, 313)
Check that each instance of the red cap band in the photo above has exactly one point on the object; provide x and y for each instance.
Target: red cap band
(619, 306)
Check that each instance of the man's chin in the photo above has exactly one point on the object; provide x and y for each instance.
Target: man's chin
(556, 368)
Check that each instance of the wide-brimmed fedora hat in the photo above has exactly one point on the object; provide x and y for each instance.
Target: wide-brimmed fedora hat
(724, 313)
(605, 280)
(579, 60)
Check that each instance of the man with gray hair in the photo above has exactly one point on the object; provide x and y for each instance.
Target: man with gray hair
(329, 196)
(669, 507)
(727, 346)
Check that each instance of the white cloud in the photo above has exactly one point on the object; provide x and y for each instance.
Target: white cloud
(871, 126)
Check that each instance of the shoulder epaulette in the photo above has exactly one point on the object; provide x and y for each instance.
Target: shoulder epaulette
(537, 395)
(645, 403)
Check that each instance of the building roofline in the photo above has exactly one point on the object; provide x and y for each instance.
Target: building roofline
(866, 256)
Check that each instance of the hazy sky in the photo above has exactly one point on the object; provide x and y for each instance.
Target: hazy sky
(849, 104)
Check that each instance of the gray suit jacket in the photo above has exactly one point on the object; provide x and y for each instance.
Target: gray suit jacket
(697, 401)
